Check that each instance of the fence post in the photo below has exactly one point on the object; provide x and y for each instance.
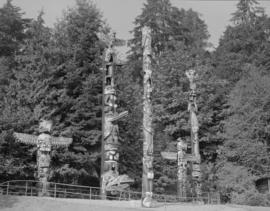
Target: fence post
(120, 196)
(7, 187)
(209, 198)
(90, 193)
(26, 187)
(165, 203)
(54, 190)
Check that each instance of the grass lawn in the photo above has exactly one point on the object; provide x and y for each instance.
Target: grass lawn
(16, 203)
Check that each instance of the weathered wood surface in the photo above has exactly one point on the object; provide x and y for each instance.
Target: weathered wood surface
(148, 174)
(193, 110)
(110, 131)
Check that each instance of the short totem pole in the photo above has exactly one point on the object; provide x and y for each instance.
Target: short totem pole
(182, 158)
(111, 182)
(148, 174)
(182, 168)
(193, 109)
(44, 143)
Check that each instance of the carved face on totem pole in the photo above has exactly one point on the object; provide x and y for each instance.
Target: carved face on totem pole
(196, 170)
(44, 145)
(111, 131)
(45, 126)
(181, 147)
(182, 168)
(148, 167)
(109, 82)
(111, 154)
(44, 142)
(147, 149)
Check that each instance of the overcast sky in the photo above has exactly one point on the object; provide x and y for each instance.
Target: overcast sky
(120, 14)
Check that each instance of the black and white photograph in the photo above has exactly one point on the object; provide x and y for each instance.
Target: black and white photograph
(125, 105)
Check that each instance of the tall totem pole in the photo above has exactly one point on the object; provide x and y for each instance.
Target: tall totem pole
(44, 143)
(110, 155)
(148, 174)
(193, 109)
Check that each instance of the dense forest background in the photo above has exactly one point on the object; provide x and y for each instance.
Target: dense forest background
(55, 73)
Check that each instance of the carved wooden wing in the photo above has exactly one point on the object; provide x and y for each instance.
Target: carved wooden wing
(108, 38)
(119, 116)
(61, 141)
(169, 155)
(26, 138)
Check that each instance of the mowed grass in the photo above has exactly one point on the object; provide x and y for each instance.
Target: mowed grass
(16, 203)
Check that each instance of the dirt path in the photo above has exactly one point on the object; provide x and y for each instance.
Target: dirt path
(8, 203)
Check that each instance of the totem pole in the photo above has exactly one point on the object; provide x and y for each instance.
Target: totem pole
(192, 108)
(148, 174)
(44, 143)
(182, 159)
(110, 135)
(182, 168)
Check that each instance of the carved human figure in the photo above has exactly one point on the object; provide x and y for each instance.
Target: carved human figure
(109, 101)
(193, 109)
(109, 53)
(196, 174)
(147, 63)
(146, 40)
(192, 76)
(182, 167)
(148, 171)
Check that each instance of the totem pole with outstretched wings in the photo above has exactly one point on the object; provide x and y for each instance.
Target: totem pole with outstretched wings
(44, 142)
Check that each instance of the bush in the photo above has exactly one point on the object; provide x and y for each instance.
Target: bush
(252, 198)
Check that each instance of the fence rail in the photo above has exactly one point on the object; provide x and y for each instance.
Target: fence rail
(59, 190)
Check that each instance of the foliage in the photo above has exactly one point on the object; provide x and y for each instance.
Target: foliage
(247, 127)
(13, 32)
(251, 198)
(57, 76)
(247, 12)
(55, 73)
(241, 60)
(76, 92)
(12, 27)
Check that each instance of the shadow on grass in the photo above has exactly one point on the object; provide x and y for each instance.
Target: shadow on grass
(7, 201)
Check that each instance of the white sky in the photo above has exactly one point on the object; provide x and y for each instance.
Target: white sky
(120, 14)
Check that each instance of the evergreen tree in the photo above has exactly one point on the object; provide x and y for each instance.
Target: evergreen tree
(12, 35)
(12, 27)
(75, 91)
(247, 12)
(242, 43)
